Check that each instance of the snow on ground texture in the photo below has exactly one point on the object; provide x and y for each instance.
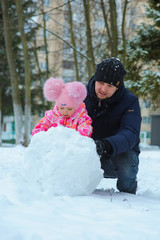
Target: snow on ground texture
(28, 212)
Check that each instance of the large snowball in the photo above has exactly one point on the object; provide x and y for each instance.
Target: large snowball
(62, 162)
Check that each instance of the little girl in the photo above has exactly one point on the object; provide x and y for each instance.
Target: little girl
(69, 110)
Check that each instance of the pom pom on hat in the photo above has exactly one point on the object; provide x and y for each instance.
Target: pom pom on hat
(77, 91)
(53, 88)
(67, 95)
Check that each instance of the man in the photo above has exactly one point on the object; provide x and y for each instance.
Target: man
(116, 116)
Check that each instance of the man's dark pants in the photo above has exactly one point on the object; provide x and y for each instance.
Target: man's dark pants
(124, 167)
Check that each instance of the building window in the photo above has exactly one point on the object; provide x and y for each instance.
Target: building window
(68, 79)
(43, 49)
(133, 26)
(46, 33)
(146, 104)
(145, 135)
(46, 3)
(133, 11)
(46, 16)
(146, 120)
(68, 65)
(99, 23)
(43, 66)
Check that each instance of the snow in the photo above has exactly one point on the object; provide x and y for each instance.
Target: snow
(63, 165)
(37, 204)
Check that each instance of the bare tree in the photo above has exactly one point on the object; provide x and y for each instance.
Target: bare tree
(90, 53)
(35, 52)
(113, 27)
(73, 41)
(27, 119)
(17, 107)
(66, 42)
(44, 15)
(123, 31)
(105, 16)
(115, 24)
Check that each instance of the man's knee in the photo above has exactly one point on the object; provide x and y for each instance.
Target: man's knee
(124, 167)
(127, 169)
(126, 164)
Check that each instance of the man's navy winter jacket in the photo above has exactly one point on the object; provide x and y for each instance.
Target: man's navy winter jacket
(116, 119)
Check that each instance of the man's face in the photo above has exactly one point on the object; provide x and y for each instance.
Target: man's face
(104, 90)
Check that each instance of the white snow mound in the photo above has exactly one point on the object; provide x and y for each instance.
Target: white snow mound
(62, 162)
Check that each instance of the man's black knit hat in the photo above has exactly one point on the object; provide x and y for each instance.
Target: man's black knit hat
(111, 71)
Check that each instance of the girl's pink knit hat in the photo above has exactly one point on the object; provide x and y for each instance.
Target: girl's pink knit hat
(70, 94)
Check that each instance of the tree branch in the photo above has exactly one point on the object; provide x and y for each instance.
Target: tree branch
(59, 37)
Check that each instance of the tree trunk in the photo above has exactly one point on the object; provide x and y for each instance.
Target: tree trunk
(114, 32)
(91, 63)
(73, 41)
(17, 107)
(119, 7)
(107, 27)
(123, 31)
(27, 119)
(39, 69)
(45, 40)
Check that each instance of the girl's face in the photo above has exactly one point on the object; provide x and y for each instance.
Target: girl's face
(104, 90)
(66, 111)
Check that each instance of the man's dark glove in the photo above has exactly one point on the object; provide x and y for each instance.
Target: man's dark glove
(104, 148)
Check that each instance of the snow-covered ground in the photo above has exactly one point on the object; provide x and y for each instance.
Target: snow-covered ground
(33, 208)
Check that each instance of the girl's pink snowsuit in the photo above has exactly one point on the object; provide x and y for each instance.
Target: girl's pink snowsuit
(79, 121)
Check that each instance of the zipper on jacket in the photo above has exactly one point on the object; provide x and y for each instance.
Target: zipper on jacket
(65, 121)
(99, 103)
